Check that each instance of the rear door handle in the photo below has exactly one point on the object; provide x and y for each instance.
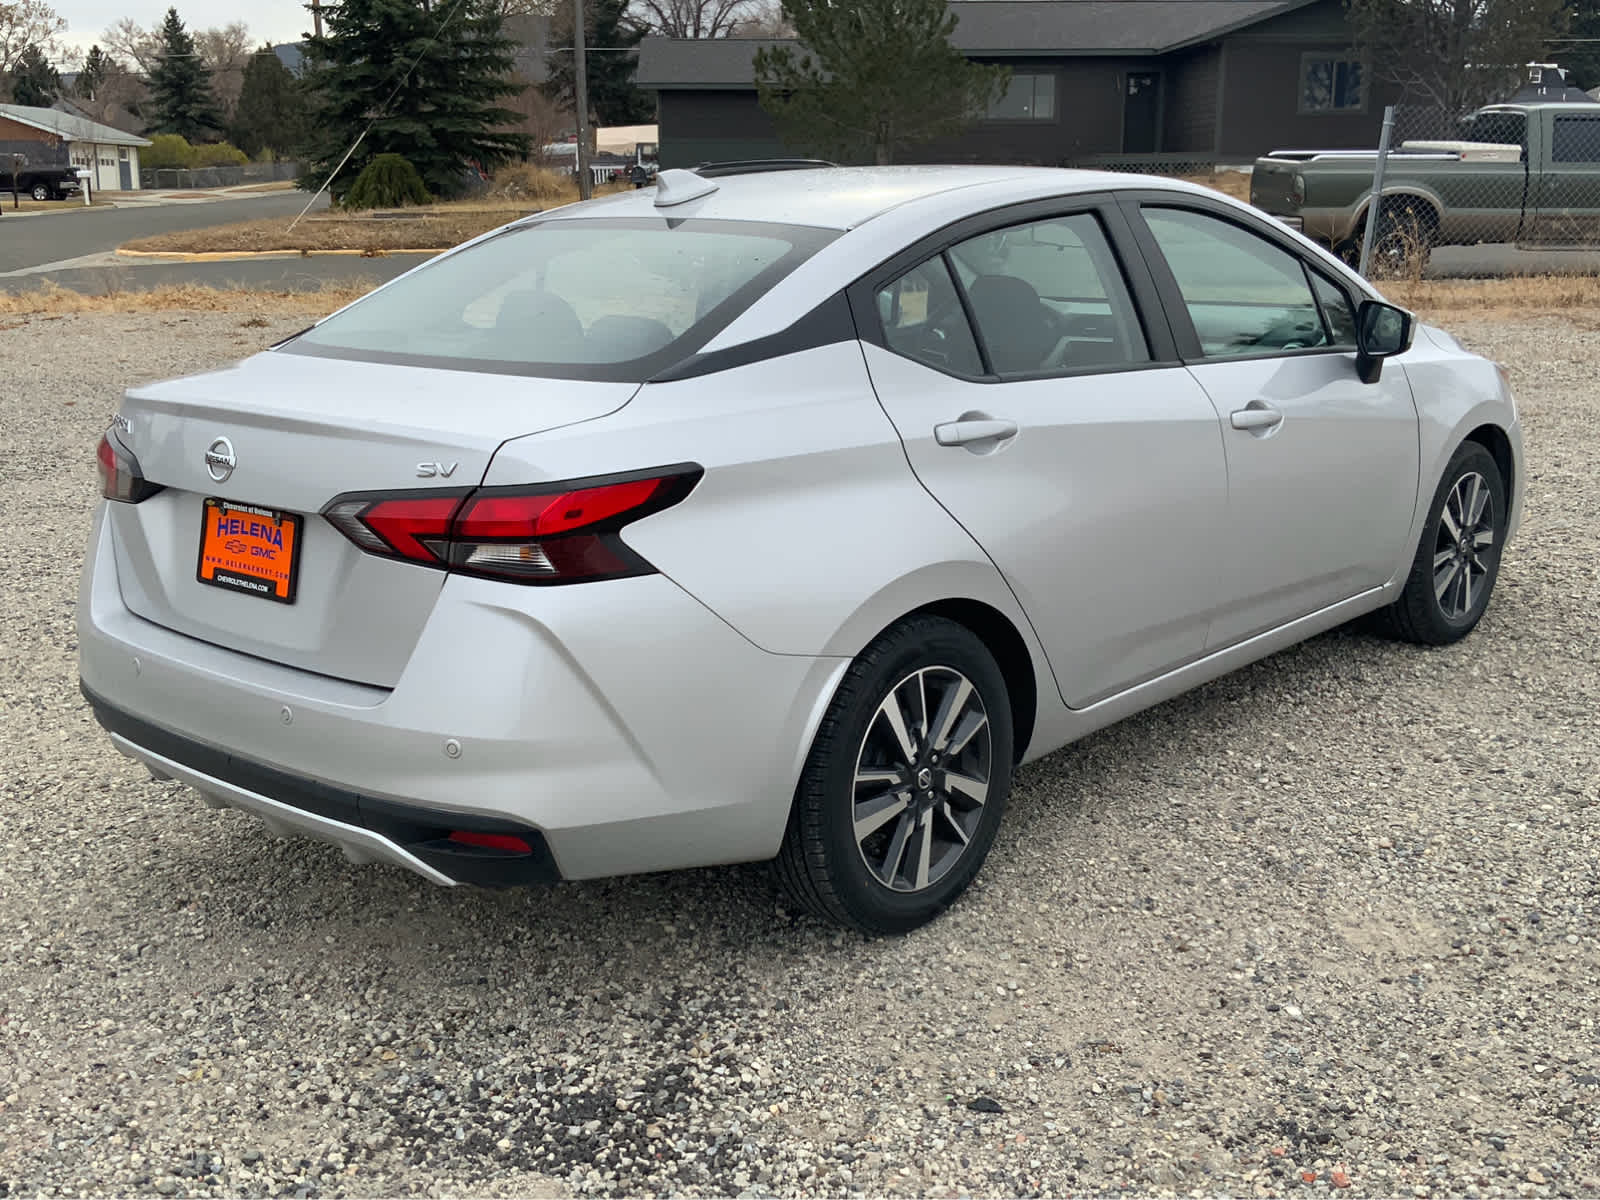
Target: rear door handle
(967, 431)
(1257, 418)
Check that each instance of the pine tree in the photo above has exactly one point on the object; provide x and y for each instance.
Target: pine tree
(272, 107)
(96, 65)
(874, 76)
(427, 78)
(34, 82)
(614, 99)
(180, 87)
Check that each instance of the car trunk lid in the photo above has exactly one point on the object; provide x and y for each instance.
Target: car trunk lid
(301, 431)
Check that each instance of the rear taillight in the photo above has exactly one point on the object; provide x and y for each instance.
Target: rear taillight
(120, 477)
(549, 534)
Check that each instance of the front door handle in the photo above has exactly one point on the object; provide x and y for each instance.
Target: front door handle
(977, 429)
(1257, 418)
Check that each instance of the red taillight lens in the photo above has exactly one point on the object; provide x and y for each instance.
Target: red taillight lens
(560, 533)
(120, 477)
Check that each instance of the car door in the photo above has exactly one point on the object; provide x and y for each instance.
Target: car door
(1322, 468)
(1043, 411)
(1564, 208)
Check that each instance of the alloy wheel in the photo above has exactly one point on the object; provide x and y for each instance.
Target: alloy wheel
(1466, 535)
(921, 779)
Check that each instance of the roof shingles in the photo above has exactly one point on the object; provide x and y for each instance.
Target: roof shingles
(998, 28)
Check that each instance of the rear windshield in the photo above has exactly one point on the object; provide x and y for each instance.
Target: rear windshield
(599, 299)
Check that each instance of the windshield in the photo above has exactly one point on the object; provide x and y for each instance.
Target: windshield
(602, 299)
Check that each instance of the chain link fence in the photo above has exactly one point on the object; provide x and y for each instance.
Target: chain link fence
(167, 179)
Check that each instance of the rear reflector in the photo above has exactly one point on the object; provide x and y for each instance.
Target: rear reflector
(492, 841)
(549, 534)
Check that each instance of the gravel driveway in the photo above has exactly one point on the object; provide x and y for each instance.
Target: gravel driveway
(1328, 923)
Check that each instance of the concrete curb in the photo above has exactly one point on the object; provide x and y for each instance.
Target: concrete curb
(246, 255)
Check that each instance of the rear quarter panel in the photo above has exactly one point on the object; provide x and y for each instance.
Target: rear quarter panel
(809, 533)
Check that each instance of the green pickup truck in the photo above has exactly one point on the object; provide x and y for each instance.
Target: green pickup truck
(1523, 173)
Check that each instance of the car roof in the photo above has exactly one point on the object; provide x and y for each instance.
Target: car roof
(839, 197)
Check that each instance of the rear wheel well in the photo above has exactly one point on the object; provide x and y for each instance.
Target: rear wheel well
(1493, 439)
(995, 630)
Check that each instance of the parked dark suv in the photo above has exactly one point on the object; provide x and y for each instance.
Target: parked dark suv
(42, 182)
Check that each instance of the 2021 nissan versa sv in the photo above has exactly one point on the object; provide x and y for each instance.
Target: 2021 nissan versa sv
(774, 514)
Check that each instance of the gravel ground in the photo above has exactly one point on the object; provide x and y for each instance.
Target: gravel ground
(1329, 923)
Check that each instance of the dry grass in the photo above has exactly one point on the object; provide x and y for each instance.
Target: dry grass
(54, 301)
(436, 228)
(1229, 183)
(515, 192)
(1573, 296)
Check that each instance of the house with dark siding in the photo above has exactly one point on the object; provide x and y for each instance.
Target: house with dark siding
(1197, 81)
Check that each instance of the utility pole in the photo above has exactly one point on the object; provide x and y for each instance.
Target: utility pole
(316, 15)
(580, 99)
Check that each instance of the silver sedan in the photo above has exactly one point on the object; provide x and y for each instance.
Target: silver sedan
(774, 515)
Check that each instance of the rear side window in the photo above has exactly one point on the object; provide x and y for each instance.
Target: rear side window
(1049, 296)
(923, 320)
(1576, 140)
(1244, 294)
(586, 299)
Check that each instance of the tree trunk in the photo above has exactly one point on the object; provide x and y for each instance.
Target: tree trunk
(882, 154)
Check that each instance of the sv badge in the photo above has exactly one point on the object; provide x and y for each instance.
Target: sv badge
(432, 470)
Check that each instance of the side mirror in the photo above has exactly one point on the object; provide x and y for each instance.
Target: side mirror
(1382, 331)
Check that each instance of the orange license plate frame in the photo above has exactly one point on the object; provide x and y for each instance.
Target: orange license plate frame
(250, 550)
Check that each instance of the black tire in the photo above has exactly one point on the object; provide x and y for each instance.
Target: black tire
(1424, 613)
(920, 662)
(41, 191)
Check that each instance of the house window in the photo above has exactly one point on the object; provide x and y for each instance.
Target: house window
(1028, 98)
(1329, 84)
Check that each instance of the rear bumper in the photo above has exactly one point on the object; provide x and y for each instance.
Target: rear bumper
(367, 828)
(622, 723)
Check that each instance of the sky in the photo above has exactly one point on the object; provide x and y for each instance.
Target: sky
(269, 20)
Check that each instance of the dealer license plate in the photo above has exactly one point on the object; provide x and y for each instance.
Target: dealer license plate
(250, 550)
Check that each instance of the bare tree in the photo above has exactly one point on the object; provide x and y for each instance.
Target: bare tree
(1454, 55)
(528, 8)
(132, 43)
(226, 51)
(764, 19)
(25, 23)
(693, 18)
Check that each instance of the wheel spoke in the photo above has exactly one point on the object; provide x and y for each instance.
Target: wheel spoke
(897, 848)
(1466, 589)
(1477, 497)
(965, 732)
(924, 853)
(955, 700)
(1447, 518)
(1484, 537)
(949, 816)
(975, 790)
(1442, 582)
(1442, 558)
(895, 715)
(922, 704)
(876, 813)
(867, 777)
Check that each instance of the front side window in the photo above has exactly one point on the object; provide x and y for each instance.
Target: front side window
(1049, 296)
(1027, 98)
(595, 298)
(1244, 294)
(1330, 84)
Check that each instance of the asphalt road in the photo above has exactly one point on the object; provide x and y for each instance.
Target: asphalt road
(28, 242)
